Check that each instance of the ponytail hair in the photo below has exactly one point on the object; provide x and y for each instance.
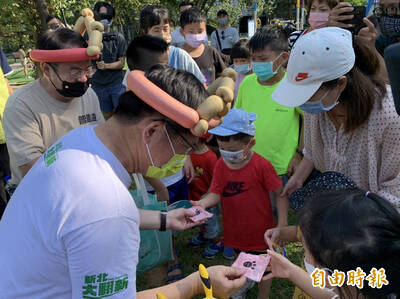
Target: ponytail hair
(365, 86)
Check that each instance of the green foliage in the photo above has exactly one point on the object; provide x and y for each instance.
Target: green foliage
(20, 21)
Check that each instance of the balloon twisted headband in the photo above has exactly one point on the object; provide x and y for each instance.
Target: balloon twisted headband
(84, 23)
(208, 115)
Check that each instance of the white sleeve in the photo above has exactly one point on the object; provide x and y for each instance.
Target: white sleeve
(126, 76)
(102, 258)
(214, 41)
(235, 36)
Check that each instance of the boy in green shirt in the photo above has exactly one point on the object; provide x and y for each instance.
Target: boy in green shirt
(278, 127)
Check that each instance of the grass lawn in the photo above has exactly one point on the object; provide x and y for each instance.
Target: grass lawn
(18, 77)
(190, 259)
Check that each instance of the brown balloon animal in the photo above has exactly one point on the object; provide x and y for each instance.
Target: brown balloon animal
(94, 29)
(218, 104)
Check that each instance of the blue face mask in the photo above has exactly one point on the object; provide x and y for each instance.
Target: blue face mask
(265, 70)
(318, 107)
(242, 68)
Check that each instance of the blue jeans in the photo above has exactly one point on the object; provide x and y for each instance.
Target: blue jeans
(211, 227)
(109, 96)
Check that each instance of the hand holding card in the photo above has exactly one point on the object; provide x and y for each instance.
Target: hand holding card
(274, 247)
(254, 265)
(201, 214)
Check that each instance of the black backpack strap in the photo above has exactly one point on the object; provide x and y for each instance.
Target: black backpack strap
(219, 41)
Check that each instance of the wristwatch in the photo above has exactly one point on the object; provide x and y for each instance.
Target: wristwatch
(163, 221)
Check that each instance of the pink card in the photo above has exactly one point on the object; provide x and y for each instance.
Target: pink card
(201, 214)
(255, 265)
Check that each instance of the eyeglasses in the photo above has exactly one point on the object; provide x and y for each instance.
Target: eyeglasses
(223, 35)
(390, 11)
(77, 74)
(175, 129)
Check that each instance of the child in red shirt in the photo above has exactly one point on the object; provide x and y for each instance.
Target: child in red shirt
(242, 181)
(204, 160)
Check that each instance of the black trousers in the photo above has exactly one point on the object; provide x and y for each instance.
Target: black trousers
(4, 172)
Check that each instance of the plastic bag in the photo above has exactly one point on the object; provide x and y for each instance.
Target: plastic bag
(155, 246)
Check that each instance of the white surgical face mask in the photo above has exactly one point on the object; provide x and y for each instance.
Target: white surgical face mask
(234, 157)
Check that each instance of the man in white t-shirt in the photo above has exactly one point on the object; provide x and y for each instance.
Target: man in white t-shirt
(71, 229)
(225, 36)
(177, 39)
(41, 112)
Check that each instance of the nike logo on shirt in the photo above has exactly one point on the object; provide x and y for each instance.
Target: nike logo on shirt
(233, 189)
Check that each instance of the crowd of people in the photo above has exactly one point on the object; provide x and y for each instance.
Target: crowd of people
(312, 128)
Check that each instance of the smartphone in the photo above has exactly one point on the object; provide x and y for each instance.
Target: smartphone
(357, 21)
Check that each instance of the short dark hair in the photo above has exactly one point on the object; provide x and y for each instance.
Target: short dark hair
(62, 38)
(108, 6)
(331, 3)
(192, 15)
(240, 49)
(272, 36)
(350, 228)
(153, 15)
(186, 3)
(245, 138)
(51, 17)
(181, 85)
(222, 12)
(143, 52)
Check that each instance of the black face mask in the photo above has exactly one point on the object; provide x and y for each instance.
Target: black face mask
(71, 89)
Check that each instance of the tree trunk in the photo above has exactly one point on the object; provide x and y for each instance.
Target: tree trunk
(42, 8)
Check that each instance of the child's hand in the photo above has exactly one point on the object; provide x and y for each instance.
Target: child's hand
(275, 235)
(198, 203)
(279, 266)
(189, 170)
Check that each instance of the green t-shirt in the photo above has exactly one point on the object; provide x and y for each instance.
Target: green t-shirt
(277, 127)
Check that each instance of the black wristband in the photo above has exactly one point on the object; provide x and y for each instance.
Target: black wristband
(163, 221)
(299, 152)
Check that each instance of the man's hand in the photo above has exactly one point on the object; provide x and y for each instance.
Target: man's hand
(226, 280)
(294, 163)
(101, 65)
(368, 33)
(336, 18)
(179, 219)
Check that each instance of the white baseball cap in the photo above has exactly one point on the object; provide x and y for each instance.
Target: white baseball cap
(319, 56)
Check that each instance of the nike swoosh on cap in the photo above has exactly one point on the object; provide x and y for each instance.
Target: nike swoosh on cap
(301, 77)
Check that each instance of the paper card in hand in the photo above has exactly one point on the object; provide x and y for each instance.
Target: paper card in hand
(254, 265)
(201, 214)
